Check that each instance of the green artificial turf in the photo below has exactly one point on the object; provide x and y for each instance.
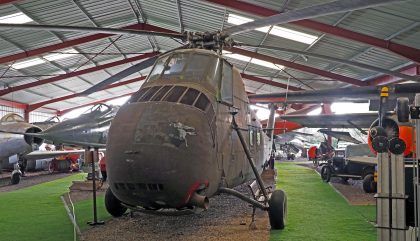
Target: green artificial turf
(37, 212)
(317, 212)
(84, 212)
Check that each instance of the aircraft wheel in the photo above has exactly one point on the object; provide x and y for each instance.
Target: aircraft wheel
(277, 210)
(113, 205)
(15, 178)
(326, 173)
(403, 110)
(369, 184)
(292, 157)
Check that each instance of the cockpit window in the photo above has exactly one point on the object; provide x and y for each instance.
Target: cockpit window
(187, 67)
(98, 108)
(157, 70)
(12, 117)
(175, 65)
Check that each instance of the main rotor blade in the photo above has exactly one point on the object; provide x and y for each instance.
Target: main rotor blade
(89, 29)
(337, 60)
(121, 75)
(308, 12)
(350, 94)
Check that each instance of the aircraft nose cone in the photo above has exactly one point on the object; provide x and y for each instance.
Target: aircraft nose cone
(159, 152)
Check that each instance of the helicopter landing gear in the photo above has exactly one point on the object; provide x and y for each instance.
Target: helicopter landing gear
(264, 196)
(277, 209)
(113, 205)
(16, 175)
(15, 179)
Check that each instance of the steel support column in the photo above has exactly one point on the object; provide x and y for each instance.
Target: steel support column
(326, 110)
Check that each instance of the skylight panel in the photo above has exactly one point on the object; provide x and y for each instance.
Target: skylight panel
(293, 35)
(236, 56)
(16, 18)
(65, 54)
(277, 31)
(253, 60)
(27, 63)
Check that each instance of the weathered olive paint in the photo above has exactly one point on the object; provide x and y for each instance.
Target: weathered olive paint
(159, 153)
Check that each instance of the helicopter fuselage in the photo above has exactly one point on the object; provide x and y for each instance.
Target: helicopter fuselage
(174, 137)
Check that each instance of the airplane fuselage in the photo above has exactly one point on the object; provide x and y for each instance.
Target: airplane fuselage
(12, 144)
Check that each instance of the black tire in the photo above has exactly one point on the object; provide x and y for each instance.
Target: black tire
(344, 179)
(277, 209)
(113, 205)
(292, 157)
(369, 184)
(402, 109)
(326, 173)
(15, 179)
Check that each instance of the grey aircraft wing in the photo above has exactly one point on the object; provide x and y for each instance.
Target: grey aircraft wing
(340, 135)
(359, 120)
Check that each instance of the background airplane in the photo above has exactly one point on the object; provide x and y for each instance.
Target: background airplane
(14, 146)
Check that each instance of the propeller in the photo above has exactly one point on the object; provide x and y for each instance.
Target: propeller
(308, 12)
(127, 72)
(350, 94)
(91, 30)
(337, 60)
(121, 75)
(208, 40)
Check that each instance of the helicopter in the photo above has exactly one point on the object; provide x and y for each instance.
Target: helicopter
(188, 133)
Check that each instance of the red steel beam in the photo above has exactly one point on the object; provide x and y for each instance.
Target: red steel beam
(35, 106)
(269, 82)
(77, 41)
(402, 50)
(74, 74)
(388, 79)
(62, 112)
(13, 104)
(40, 104)
(300, 67)
(8, 1)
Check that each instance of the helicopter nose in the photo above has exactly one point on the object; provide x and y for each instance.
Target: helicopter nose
(160, 154)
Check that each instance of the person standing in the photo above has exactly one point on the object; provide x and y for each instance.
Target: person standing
(102, 168)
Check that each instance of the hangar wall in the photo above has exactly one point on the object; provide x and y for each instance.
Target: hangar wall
(33, 116)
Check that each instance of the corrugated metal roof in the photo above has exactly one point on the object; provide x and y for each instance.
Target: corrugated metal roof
(397, 22)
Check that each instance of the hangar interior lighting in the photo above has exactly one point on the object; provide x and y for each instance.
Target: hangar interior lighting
(276, 30)
(253, 60)
(15, 18)
(65, 54)
(27, 63)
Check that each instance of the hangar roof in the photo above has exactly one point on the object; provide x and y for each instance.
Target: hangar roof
(47, 69)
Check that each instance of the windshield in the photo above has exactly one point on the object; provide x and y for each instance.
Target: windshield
(186, 66)
(12, 117)
(98, 107)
